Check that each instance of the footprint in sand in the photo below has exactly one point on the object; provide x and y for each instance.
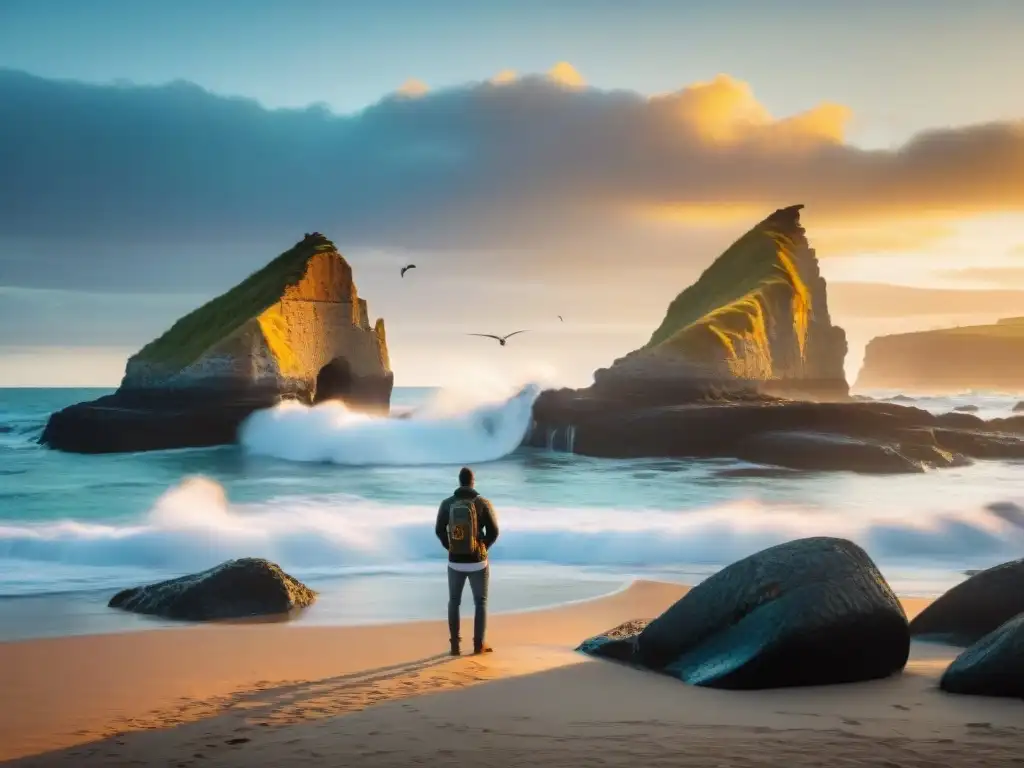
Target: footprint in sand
(239, 740)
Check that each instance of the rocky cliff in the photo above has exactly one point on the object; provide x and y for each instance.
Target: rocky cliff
(295, 329)
(756, 319)
(276, 330)
(754, 326)
(989, 357)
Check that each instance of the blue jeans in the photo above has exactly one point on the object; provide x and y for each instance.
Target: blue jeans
(478, 581)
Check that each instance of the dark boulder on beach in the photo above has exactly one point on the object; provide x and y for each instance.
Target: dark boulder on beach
(235, 589)
(813, 611)
(994, 666)
(975, 607)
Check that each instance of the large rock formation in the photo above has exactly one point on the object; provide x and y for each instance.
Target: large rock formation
(756, 320)
(707, 385)
(857, 436)
(810, 612)
(987, 357)
(975, 607)
(994, 666)
(232, 590)
(295, 329)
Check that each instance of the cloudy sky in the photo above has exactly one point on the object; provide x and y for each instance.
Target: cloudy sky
(586, 159)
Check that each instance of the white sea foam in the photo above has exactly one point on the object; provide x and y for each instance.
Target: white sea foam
(194, 526)
(455, 427)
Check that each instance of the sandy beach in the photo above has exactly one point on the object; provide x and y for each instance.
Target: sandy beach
(277, 694)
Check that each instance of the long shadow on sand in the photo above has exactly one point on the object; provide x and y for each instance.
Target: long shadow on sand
(199, 728)
(585, 713)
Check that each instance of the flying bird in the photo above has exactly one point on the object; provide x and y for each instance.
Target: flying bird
(560, 319)
(407, 268)
(500, 339)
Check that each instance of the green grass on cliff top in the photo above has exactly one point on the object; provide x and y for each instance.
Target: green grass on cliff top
(741, 270)
(186, 340)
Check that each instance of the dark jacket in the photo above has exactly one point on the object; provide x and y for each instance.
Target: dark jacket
(486, 520)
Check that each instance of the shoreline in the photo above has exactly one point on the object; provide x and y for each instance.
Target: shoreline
(396, 598)
(20, 614)
(277, 694)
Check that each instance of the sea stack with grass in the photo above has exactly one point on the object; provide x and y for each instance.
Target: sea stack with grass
(979, 357)
(748, 365)
(295, 329)
(756, 321)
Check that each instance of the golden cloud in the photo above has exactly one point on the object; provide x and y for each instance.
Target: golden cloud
(413, 87)
(565, 74)
(725, 110)
(504, 77)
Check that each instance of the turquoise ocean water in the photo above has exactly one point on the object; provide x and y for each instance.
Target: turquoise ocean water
(347, 503)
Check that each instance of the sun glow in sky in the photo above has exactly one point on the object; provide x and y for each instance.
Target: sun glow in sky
(583, 159)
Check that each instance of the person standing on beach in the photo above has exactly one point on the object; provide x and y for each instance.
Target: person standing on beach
(467, 527)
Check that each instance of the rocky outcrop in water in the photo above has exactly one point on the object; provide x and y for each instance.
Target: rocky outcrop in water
(756, 320)
(747, 365)
(857, 436)
(980, 357)
(994, 666)
(809, 612)
(975, 607)
(232, 590)
(295, 329)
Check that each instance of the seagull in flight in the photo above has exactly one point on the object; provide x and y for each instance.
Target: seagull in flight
(500, 339)
(407, 268)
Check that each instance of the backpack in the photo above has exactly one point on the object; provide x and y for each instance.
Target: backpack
(462, 527)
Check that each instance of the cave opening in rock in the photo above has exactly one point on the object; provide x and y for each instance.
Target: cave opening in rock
(334, 381)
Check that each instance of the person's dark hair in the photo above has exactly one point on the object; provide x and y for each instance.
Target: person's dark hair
(466, 477)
